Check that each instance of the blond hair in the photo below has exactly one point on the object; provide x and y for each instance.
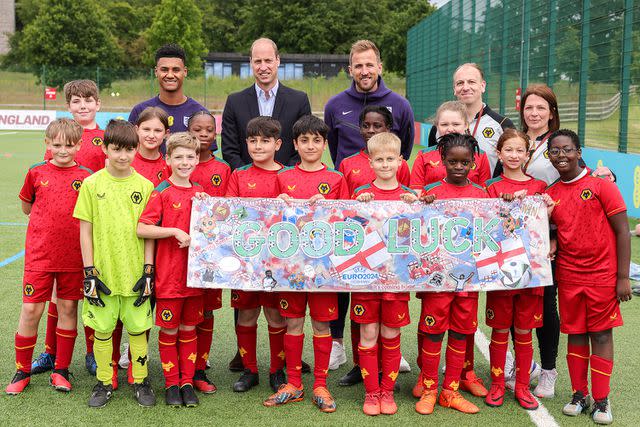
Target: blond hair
(68, 129)
(81, 88)
(456, 106)
(363, 46)
(384, 141)
(182, 140)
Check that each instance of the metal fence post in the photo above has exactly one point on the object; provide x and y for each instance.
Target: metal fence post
(584, 69)
(553, 25)
(44, 86)
(503, 65)
(627, 50)
(524, 44)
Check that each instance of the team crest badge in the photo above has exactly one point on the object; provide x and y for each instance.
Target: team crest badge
(358, 310)
(586, 194)
(488, 132)
(96, 141)
(429, 320)
(76, 184)
(324, 188)
(216, 180)
(284, 304)
(490, 314)
(29, 289)
(136, 197)
(167, 315)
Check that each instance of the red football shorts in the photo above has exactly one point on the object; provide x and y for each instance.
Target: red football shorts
(391, 313)
(588, 308)
(37, 286)
(442, 311)
(172, 312)
(212, 299)
(323, 306)
(520, 309)
(243, 300)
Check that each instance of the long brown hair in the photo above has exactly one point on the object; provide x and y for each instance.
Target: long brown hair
(546, 93)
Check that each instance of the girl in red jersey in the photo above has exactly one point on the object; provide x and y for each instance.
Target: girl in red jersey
(152, 127)
(455, 312)
(521, 309)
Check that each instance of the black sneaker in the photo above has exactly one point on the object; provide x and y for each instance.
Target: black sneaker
(246, 381)
(277, 379)
(144, 394)
(353, 377)
(100, 395)
(236, 363)
(189, 397)
(305, 367)
(173, 397)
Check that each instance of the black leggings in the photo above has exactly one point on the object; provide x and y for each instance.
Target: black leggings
(549, 334)
(337, 326)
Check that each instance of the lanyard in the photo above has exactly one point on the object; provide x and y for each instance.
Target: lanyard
(475, 128)
(532, 152)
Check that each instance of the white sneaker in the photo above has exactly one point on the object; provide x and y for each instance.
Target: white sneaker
(404, 365)
(579, 404)
(510, 375)
(534, 372)
(546, 383)
(338, 356)
(124, 356)
(601, 413)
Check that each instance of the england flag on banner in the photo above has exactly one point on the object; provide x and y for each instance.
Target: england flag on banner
(372, 254)
(511, 263)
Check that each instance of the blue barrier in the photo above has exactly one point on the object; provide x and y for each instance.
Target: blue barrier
(102, 118)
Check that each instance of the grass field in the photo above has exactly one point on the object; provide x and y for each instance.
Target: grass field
(40, 404)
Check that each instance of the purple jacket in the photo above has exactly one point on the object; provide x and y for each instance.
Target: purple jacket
(343, 110)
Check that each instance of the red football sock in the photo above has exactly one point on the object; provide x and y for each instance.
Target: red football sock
(321, 354)
(390, 362)
(205, 337)
(187, 355)
(24, 352)
(52, 323)
(276, 345)
(89, 338)
(455, 360)
(168, 347)
(430, 360)
(66, 341)
(247, 337)
(578, 364)
(368, 357)
(116, 340)
(355, 342)
(419, 358)
(601, 369)
(524, 354)
(498, 355)
(293, 353)
(469, 354)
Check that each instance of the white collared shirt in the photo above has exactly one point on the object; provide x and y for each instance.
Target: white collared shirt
(266, 105)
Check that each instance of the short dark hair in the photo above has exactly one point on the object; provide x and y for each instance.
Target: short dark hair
(310, 124)
(264, 126)
(568, 133)
(379, 109)
(201, 113)
(171, 50)
(450, 140)
(120, 133)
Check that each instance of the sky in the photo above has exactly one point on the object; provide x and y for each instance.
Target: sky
(439, 3)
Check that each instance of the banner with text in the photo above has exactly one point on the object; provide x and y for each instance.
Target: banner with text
(449, 245)
(26, 119)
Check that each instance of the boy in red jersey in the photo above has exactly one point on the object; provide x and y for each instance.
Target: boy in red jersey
(52, 255)
(259, 180)
(213, 176)
(310, 179)
(83, 102)
(152, 127)
(592, 270)
(456, 312)
(178, 308)
(381, 314)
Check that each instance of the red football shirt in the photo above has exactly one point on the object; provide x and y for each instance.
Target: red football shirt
(301, 184)
(253, 181)
(213, 175)
(155, 171)
(505, 185)
(90, 154)
(428, 168)
(170, 206)
(53, 234)
(381, 194)
(586, 242)
(357, 171)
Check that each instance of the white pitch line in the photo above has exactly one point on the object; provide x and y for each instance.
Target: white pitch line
(7, 133)
(540, 417)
